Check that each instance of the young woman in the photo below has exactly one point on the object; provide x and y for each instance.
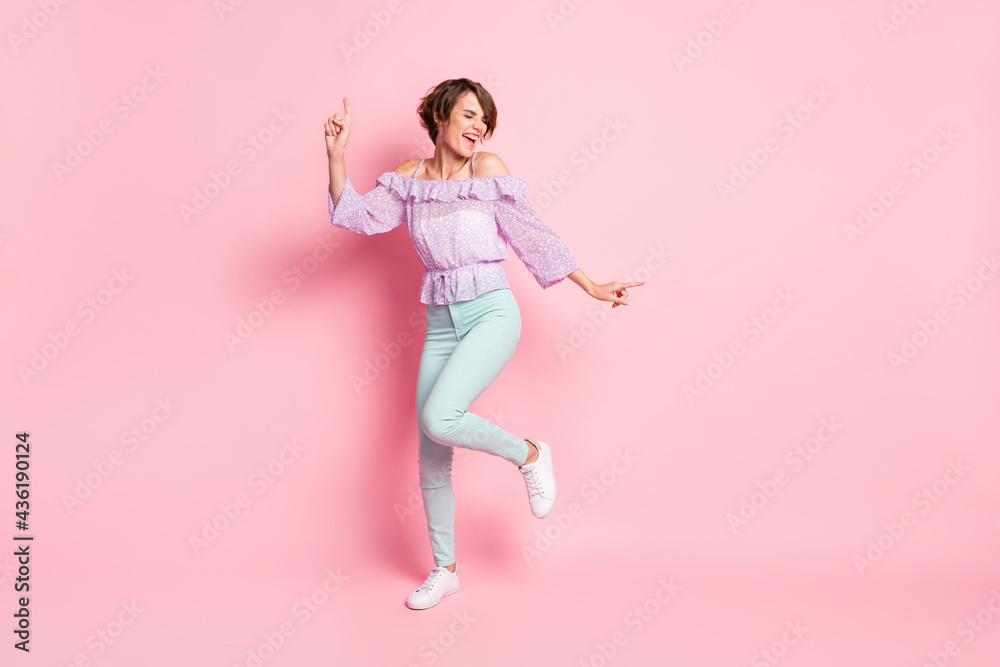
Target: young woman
(461, 213)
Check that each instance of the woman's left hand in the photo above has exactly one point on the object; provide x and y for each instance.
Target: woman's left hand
(614, 291)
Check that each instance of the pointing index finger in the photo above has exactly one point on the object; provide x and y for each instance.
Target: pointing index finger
(347, 109)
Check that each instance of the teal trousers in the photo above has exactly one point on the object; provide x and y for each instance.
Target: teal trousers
(466, 346)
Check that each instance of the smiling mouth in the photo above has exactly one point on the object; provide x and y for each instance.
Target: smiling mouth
(472, 142)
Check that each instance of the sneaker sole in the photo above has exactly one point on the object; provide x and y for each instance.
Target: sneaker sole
(443, 596)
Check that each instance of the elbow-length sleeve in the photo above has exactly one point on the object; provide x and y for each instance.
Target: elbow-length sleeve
(378, 211)
(542, 251)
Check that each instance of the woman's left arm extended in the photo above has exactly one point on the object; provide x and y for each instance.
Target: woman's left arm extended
(545, 254)
(540, 248)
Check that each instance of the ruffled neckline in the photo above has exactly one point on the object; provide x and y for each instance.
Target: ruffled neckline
(456, 189)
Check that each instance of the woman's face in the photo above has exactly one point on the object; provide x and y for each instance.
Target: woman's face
(465, 129)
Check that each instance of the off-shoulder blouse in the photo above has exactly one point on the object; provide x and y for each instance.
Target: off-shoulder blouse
(460, 229)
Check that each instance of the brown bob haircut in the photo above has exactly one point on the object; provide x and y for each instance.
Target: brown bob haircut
(441, 100)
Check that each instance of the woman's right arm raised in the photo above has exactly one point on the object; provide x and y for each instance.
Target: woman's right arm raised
(378, 211)
(338, 129)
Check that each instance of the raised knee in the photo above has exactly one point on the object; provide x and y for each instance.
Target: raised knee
(439, 425)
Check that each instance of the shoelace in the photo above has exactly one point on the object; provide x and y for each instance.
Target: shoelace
(436, 574)
(534, 482)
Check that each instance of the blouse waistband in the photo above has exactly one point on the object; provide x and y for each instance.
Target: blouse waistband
(461, 282)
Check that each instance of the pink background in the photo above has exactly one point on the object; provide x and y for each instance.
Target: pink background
(643, 201)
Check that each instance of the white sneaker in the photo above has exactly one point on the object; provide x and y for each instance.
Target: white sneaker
(540, 479)
(439, 583)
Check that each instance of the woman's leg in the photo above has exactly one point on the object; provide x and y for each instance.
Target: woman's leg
(488, 329)
(435, 460)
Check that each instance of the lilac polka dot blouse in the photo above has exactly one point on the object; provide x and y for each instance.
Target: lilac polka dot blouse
(460, 229)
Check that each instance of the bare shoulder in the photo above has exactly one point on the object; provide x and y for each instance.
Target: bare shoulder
(407, 167)
(489, 164)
